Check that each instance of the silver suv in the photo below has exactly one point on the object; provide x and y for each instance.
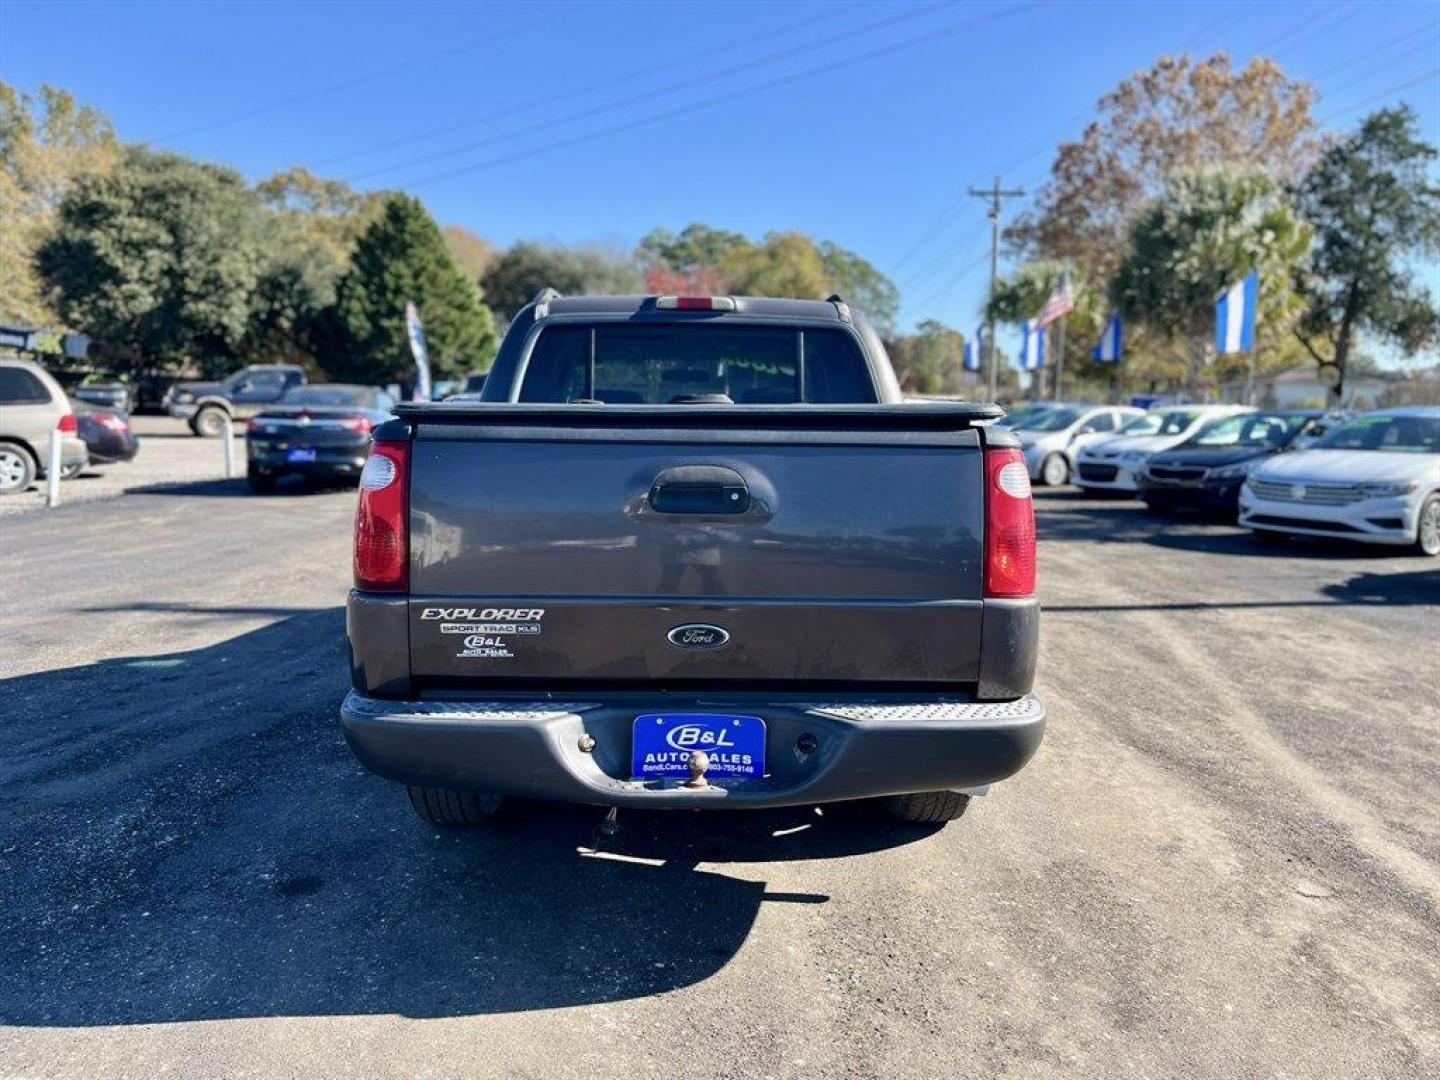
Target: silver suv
(31, 406)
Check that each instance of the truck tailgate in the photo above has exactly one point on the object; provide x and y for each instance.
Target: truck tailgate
(605, 555)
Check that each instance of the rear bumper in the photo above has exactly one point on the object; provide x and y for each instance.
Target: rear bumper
(329, 460)
(863, 746)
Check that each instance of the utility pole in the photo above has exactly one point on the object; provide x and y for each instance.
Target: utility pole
(995, 196)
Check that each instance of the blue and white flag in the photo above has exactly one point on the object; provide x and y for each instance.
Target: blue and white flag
(1111, 346)
(1032, 346)
(1235, 316)
(416, 333)
(972, 352)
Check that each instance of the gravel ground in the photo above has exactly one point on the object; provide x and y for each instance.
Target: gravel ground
(1223, 862)
(169, 454)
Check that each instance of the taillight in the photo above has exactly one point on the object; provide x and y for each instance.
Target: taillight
(68, 425)
(358, 424)
(253, 427)
(114, 423)
(1009, 524)
(695, 303)
(382, 530)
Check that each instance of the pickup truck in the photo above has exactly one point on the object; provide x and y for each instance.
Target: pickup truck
(205, 406)
(693, 552)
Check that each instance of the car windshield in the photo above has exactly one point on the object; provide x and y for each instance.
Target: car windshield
(621, 364)
(1248, 430)
(1159, 423)
(335, 396)
(1381, 431)
(1019, 417)
(1050, 420)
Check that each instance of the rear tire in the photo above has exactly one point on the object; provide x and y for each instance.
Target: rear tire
(17, 469)
(209, 422)
(927, 806)
(440, 806)
(1055, 471)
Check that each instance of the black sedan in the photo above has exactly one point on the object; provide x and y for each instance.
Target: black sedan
(107, 434)
(1205, 472)
(321, 431)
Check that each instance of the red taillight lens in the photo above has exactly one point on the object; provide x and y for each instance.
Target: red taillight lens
(253, 426)
(358, 424)
(695, 303)
(382, 557)
(68, 425)
(115, 424)
(1009, 524)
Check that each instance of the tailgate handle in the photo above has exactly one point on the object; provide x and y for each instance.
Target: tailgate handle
(700, 489)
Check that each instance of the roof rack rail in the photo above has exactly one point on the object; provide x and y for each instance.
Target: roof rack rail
(841, 307)
(542, 301)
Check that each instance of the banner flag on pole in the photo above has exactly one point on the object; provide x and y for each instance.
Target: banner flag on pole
(972, 352)
(1111, 346)
(1060, 304)
(1032, 346)
(1235, 316)
(416, 333)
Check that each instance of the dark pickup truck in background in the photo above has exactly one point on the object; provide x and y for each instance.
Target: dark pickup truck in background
(693, 552)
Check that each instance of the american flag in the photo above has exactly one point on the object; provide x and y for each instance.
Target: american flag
(1060, 304)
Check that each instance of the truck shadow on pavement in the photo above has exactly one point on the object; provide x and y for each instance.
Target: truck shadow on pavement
(185, 836)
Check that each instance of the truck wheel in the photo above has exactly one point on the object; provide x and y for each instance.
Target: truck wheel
(1427, 527)
(262, 483)
(209, 422)
(927, 806)
(439, 806)
(17, 469)
(1055, 471)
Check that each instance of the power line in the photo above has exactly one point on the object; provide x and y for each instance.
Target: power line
(646, 95)
(345, 84)
(996, 195)
(1383, 67)
(1416, 81)
(715, 99)
(584, 91)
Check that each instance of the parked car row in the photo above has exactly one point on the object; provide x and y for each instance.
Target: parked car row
(1372, 477)
(32, 405)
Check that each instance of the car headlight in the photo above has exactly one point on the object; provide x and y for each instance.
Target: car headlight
(1232, 472)
(1133, 457)
(1399, 487)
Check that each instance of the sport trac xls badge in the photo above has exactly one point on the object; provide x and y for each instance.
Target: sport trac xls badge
(490, 632)
(698, 636)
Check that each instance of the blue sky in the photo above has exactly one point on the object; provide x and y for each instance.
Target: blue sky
(589, 122)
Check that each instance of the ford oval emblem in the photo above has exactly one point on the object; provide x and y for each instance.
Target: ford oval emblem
(698, 636)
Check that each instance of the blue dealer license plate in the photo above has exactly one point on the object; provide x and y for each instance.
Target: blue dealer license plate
(300, 454)
(663, 742)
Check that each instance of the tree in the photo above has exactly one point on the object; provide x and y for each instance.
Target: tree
(1022, 296)
(471, 253)
(159, 257)
(931, 360)
(703, 260)
(1204, 233)
(46, 142)
(1373, 206)
(516, 276)
(402, 257)
(1178, 116)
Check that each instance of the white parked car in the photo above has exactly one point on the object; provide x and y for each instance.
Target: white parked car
(1115, 464)
(1375, 478)
(1052, 437)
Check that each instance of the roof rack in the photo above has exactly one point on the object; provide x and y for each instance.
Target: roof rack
(542, 301)
(841, 307)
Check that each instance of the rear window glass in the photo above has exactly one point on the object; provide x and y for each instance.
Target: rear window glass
(329, 395)
(659, 364)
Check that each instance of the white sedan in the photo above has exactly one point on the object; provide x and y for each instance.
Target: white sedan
(1376, 479)
(1116, 464)
(1052, 437)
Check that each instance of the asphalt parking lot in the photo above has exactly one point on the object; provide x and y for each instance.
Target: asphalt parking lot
(1224, 861)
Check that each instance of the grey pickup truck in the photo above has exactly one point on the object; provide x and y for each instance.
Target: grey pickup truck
(693, 552)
